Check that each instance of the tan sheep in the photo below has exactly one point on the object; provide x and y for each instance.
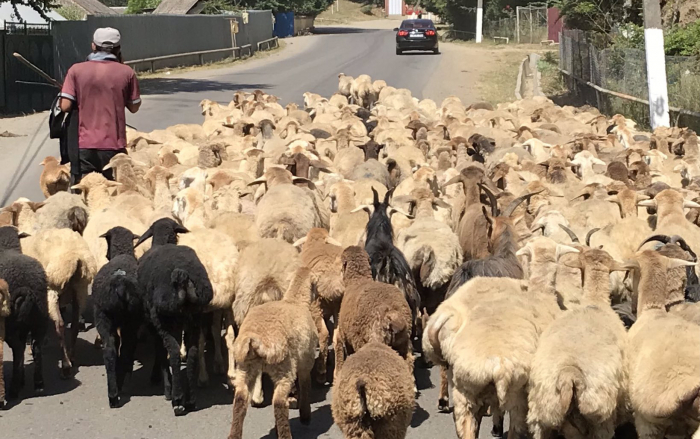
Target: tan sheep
(578, 376)
(277, 338)
(55, 177)
(370, 311)
(373, 397)
(663, 355)
(321, 254)
(70, 268)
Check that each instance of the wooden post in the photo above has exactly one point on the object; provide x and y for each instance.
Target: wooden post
(656, 65)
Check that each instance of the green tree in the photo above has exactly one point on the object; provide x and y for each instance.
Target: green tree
(40, 6)
(600, 16)
(139, 6)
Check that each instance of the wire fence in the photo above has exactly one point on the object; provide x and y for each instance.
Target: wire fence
(623, 71)
(527, 25)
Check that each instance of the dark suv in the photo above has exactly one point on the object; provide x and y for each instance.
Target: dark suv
(416, 35)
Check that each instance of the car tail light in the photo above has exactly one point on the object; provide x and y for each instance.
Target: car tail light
(430, 33)
(403, 33)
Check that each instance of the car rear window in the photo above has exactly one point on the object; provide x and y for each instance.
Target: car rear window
(417, 24)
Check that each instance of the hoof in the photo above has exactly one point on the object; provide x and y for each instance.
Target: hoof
(113, 402)
(39, 388)
(65, 372)
(497, 431)
(257, 405)
(293, 403)
(179, 410)
(443, 406)
(190, 406)
(2, 404)
(98, 342)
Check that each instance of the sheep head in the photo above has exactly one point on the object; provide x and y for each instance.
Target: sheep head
(277, 176)
(316, 236)
(381, 209)
(627, 200)
(9, 238)
(120, 241)
(355, 264)
(164, 231)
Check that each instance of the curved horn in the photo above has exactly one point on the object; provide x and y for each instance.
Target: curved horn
(332, 241)
(492, 199)
(675, 239)
(299, 241)
(660, 238)
(376, 195)
(571, 233)
(589, 234)
(516, 202)
(261, 180)
(453, 180)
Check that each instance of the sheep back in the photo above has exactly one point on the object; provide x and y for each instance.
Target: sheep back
(286, 212)
(116, 291)
(27, 283)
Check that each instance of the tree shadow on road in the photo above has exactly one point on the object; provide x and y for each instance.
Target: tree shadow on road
(161, 86)
(52, 384)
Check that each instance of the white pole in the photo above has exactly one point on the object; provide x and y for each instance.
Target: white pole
(656, 65)
(479, 19)
(517, 22)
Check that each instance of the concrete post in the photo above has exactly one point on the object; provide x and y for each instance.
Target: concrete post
(656, 65)
(479, 20)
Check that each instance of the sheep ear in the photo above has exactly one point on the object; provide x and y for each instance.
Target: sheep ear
(392, 210)
(21, 235)
(135, 236)
(299, 241)
(367, 208)
(572, 263)
(105, 235)
(612, 199)
(619, 266)
(78, 187)
(689, 203)
(525, 251)
(109, 165)
(261, 180)
(36, 206)
(674, 263)
(113, 183)
(564, 250)
(648, 203)
(147, 234)
(596, 161)
(332, 241)
(443, 204)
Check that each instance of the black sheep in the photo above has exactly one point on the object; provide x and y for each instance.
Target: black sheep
(29, 312)
(388, 263)
(176, 291)
(118, 306)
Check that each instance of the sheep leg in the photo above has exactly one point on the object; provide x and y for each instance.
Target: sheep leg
(258, 396)
(2, 353)
(283, 385)
(497, 421)
(126, 356)
(245, 380)
(464, 414)
(196, 335)
(322, 360)
(74, 329)
(219, 367)
(647, 430)
(203, 378)
(518, 419)
(109, 353)
(171, 343)
(38, 334)
(57, 318)
(230, 338)
(161, 366)
(339, 349)
(444, 398)
(304, 384)
(539, 431)
(17, 343)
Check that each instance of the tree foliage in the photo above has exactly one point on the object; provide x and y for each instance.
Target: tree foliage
(599, 15)
(140, 6)
(40, 6)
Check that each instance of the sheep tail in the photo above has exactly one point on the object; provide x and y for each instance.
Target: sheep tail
(434, 328)
(77, 219)
(121, 286)
(249, 347)
(425, 256)
(23, 305)
(363, 414)
(502, 377)
(394, 325)
(570, 381)
(184, 286)
(284, 230)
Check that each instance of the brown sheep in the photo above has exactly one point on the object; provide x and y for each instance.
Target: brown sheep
(370, 311)
(321, 254)
(277, 338)
(55, 177)
(373, 397)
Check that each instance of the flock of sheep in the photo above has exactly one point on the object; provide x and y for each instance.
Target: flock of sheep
(505, 245)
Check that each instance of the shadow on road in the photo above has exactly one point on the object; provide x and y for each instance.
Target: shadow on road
(321, 422)
(341, 30)
(178, 85)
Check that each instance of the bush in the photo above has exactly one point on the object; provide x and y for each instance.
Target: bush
(71, 12)
(139, 6)
(366, 9)
(683, 41)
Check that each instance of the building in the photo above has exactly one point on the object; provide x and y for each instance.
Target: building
(180, 7)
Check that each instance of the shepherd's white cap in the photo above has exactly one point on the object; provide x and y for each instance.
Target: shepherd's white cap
(106, 37)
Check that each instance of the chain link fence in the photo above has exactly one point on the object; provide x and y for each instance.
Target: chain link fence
(622, 73)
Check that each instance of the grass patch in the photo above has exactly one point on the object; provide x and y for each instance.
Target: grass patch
(551, 79)
(226, 62)
(498, 85)
(350, 11)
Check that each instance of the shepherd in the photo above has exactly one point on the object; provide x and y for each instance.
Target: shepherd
(101, 88)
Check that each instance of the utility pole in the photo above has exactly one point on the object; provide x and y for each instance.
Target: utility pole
(479, 19)
(656, 65)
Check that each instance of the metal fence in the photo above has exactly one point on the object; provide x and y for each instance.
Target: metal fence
(150, 36)
(623, 72)
(528, 25)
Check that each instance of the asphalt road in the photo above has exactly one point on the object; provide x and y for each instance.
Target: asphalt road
(78, 407)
